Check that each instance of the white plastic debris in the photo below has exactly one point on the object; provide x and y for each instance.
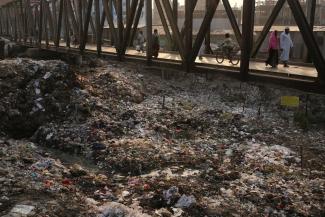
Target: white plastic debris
(125, 193)
(177, 212)
(37, 91)
(113, 209)
(170, 194)
(22, 210)
(47, 75)
(186, 201)
(49, 136)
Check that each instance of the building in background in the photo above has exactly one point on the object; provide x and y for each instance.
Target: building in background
(220, 20)
(264, 8)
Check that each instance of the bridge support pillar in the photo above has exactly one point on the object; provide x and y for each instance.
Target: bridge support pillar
(247, 37)
(149, 31)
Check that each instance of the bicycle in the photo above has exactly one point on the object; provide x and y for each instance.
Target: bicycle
(233, 56)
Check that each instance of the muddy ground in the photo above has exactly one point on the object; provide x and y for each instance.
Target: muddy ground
(119, 139)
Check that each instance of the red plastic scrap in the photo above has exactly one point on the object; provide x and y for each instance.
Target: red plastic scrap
(67, 182)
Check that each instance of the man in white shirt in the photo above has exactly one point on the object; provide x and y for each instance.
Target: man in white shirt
(285, 44)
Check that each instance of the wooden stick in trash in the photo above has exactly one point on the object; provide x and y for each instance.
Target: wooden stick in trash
(301, 157)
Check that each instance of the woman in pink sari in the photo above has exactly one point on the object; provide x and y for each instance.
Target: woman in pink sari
(273, 59)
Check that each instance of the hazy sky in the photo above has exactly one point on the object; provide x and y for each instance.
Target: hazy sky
(232, 2)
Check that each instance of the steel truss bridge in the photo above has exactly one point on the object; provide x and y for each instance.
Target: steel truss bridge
(50, 24)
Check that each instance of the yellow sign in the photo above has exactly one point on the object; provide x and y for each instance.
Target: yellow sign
(290, 101)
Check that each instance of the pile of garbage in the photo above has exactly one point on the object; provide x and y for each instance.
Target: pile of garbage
(111, 139)
(35, 92)
(34, 184)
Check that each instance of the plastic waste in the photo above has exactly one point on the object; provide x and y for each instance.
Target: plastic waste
(170, 194)
(22, 210)
(186, 201)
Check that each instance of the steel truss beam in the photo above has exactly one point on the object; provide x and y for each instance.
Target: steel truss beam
(176, 33)
(188, 34)
(50, 20)
(149, 30)
(129, 23)
(163, 20)
(275, 12)
(309, 38)
(204, 29)
(136, 22)
(247, 40)
(233, 21)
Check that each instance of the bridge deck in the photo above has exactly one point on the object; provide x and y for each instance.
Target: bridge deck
(294, 70)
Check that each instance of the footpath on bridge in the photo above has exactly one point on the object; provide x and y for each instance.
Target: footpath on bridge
(208, 60)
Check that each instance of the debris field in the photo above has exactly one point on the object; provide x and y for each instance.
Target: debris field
(116, 139)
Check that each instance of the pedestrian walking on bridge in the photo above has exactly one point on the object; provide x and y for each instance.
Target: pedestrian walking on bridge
(155, 44)
(140, 42)
(273, 59)
(286, 44)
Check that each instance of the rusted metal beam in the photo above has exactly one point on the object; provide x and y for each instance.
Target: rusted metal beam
(40, 28)
(110, 21)
(8, 22)
(129, 25)
(66, 24)
(233, 21)
(247, 40)
(175, 10)
(16, 25)
(80, 22)
(93, 27)
(176, 33)
(98, 28)
(16, 19)
(204, 29)
(20, 21)
(164, 21)
(188, 35)
(127, 10)
(208, 34)
(136, 22)
(55, 16)
(10, 25)
(72, 16)
(35, 27)
(23, 20)
(311, 11)
(266, 29)
(86, 25)
(194, 2)
(3, 20)
(59, 24)
(113, 41)
(28, 16)
(309, 38)
(102, 23)
(49, 19)
(37, 21)
(120, 27)
(45, 23)
(149, 30)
